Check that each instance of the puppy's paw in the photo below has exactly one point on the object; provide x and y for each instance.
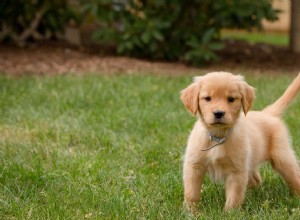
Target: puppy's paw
(191, 207)
(231, 206)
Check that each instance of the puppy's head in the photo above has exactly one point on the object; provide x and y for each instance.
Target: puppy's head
(218, 97)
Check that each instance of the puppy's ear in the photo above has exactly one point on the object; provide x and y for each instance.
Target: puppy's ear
(248, 95)
(190, 96)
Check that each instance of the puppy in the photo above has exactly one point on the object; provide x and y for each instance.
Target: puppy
(229, 142)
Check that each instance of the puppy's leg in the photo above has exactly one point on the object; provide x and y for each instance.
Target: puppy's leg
(193, 175)
(254, 179)
(236, 185)
(284, 161)
(286, 164)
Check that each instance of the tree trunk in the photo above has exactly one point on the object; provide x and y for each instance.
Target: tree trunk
(295, 26)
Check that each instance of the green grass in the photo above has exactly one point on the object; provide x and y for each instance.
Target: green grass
(111, 147)
(274, 38)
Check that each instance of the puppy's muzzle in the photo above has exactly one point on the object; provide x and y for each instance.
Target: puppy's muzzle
(219, 114)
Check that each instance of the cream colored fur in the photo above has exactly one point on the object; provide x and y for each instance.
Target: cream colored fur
(255, 137)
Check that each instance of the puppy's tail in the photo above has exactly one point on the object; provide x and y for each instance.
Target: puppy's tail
(278, 107)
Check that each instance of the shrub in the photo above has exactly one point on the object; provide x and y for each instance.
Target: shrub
(22, 20)
(174, 29)
(186, 30)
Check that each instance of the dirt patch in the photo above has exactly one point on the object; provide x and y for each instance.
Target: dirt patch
(56, 58)
(260, 57)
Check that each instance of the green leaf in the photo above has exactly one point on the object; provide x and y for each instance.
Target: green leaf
(193, 42)
(146, 37)
(216, 46)
(158, 36)
(207, 37)
(243, 11)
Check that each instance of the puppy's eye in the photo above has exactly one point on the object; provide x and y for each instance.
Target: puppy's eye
(230, 99)
(207, 98)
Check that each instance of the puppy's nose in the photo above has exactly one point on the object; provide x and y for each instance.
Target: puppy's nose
(219, 114)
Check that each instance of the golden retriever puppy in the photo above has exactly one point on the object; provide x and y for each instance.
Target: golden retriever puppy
(229, 142)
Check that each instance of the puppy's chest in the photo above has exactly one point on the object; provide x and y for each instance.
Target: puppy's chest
(219, 165)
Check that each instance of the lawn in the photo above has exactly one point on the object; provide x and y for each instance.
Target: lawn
(274, 38)
(111, 147)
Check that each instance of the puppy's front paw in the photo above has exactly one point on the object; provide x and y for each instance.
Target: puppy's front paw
(232, 205)
(191, 206)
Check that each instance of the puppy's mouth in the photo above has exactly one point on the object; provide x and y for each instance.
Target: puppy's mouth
(219, 123)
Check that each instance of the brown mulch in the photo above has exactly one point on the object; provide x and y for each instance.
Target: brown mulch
(57, 58)
(260, 57)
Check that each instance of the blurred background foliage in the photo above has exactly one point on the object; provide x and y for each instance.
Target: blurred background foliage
(185, 30)
(22, 21)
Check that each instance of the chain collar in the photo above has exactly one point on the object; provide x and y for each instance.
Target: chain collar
(216, 139)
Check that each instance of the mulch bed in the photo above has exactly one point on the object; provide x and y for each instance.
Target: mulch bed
(58, 58)
(260, 57)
